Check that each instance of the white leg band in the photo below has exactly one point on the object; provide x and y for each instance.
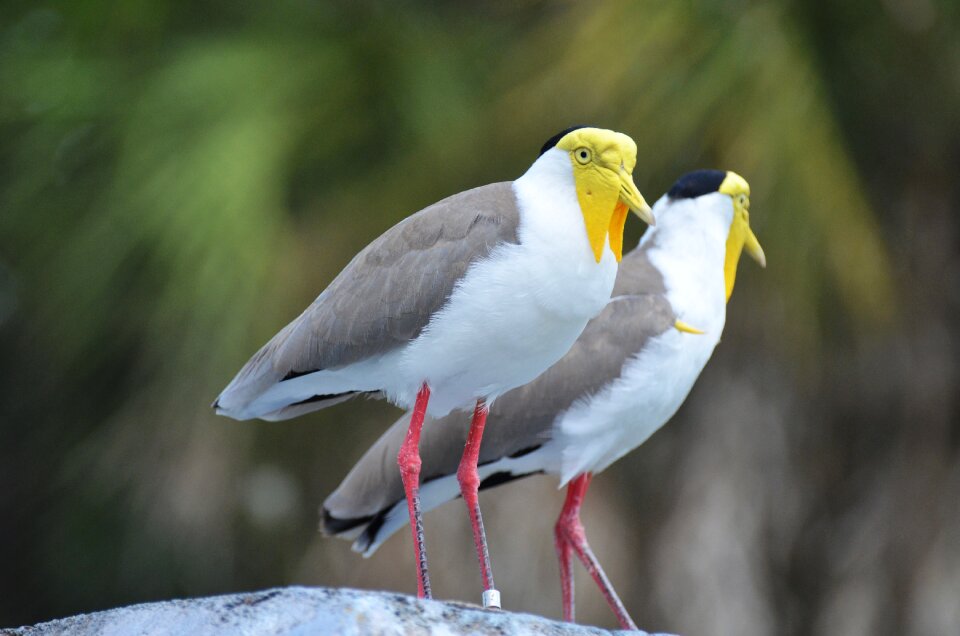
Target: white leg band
(491, 599)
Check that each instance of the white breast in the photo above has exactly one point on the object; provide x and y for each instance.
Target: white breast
(518, 311)
(688, 248)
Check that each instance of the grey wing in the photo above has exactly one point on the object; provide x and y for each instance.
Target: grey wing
(637, 275)
(520, 422)
(386, 295)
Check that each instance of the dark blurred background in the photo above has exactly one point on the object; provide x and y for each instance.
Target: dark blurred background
(177, 181)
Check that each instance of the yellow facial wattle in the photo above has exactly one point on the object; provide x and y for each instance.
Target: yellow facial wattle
(615, 231)
(735, 242)
(741, 236)
(602, 162)
(598, 196)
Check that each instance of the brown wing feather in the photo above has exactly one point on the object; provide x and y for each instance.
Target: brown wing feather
(386, 295)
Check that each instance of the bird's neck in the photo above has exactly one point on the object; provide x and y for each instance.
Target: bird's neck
(551, 216)
(688, 247)
(561, 269)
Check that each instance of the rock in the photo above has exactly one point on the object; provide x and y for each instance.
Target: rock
(296, 611)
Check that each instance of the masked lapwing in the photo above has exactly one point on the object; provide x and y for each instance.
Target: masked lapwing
(624, 378)
(456, 305)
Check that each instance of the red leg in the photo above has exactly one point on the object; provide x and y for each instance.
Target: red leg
(565, 556)
(469, 485)
(570, 530)
(409, 461)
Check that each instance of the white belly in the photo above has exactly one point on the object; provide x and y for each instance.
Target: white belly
(600, 429)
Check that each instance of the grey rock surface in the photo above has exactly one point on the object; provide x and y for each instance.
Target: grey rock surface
(301, 611)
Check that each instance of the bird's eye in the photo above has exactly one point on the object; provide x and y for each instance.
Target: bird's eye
(744, 201)
(583, 155)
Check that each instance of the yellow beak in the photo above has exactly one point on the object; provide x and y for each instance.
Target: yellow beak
(631, 196)
(752, 246)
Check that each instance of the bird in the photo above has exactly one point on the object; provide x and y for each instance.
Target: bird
(456, 305)
(623, 379)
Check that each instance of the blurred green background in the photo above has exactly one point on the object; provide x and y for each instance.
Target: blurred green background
(177, 181)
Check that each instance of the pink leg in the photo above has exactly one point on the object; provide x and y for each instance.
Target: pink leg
(469, 486)
(570, 531)
(409, 461)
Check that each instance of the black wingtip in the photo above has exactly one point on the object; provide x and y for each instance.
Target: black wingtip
(333, 526)
(369, 536)
(330, 525)
(296, 374)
